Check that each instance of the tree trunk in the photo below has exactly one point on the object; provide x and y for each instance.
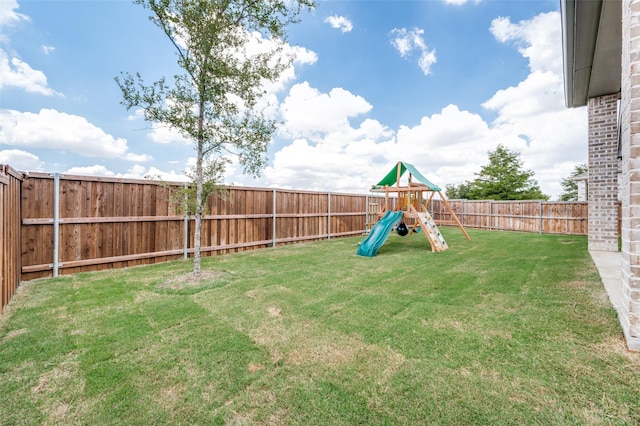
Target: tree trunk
(199, 207)
(198, 231)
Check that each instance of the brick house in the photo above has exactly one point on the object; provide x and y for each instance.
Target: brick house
(601, 49)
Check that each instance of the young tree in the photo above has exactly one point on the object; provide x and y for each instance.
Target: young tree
(569, 186)
(504, 179)
(213, 103)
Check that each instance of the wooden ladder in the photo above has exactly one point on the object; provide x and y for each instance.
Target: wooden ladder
(430, 230)
(373, 215)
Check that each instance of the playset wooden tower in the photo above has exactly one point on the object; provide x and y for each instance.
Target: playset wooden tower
(410, 206)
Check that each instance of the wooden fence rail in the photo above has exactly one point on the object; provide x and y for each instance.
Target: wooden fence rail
(55, 224)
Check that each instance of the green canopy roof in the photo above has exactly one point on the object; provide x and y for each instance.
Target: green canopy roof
(392, 177)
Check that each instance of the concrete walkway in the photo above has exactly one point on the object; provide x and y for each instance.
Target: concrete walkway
(609, 264)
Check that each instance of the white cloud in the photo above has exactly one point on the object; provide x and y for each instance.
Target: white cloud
(339, 22)
(303, 56)
(96, 170)
(452, 145)
(426, 60)
(448, 147)
(538, 39)
(300, 55)
(346, 167)
(135, 172)
(161, 133)
(13, 71)
(329, 153)
(138, 114)
(51, 129)
(140, 172)
(406, 42)
(21, 160)
(539, 93)
(307, 112)
(16, 73)
(157, 174)
(9, 15)
(535, 107)
(142, 158)
(47, 49)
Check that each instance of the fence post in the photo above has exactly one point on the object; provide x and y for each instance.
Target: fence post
(56, 222)
(329, 216)
(273, 219)
(366, 213)
(462, 202)
(490, 214)
(541, 218)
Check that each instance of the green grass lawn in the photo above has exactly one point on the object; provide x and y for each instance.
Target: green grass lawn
(508, 328)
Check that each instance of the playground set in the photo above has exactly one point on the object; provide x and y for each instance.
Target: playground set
(409, 213)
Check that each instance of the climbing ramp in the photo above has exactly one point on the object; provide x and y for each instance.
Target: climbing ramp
(430, 229)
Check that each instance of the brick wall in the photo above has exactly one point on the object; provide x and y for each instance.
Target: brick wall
(603, 173)
(630, 182)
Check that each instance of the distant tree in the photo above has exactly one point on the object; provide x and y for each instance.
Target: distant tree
(458, 192)
(570, 186)
(213, 103)
(504, 179)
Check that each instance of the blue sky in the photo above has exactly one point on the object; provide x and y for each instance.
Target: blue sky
(436, 83)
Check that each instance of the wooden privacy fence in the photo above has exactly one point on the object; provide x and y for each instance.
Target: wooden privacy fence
(55, 224)
(525, 216)
(75, 223)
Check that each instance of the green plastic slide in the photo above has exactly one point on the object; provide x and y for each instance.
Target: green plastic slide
(379, 234)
